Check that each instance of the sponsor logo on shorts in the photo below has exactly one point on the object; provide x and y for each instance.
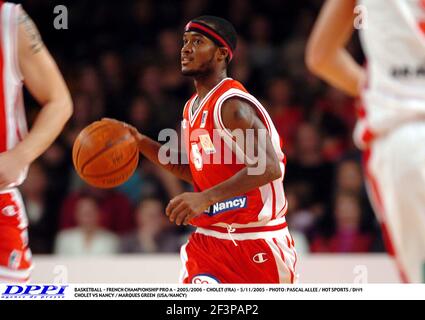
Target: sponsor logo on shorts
(260, 257)
(15, 259)
(204, 279)
(24, 237)
(227, 205)
(9, 211)
(28, 255)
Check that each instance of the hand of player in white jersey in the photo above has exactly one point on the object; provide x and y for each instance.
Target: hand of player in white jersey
(12, 166)
(186, 206)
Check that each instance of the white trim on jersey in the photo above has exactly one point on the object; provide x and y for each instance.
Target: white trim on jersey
(183, 257)
(281, 202)
(267, 210)
(19, 275)
(14, 28)
(9, 41)
(192, 117)
(270, 223)
(281, 233)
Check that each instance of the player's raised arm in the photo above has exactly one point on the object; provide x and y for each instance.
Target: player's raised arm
(44, 81)
(326, 55)
(237, 114)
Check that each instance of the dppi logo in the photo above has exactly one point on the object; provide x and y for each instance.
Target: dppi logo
(34, 291)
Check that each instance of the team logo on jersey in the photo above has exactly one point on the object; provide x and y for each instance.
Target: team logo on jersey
(204, 279)
(230, 204)
(206, 143)
(260, 257)
(204, 119)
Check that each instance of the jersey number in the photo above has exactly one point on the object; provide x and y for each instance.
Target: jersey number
(196, 156)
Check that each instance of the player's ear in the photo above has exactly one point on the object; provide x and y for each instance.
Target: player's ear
(223, 53)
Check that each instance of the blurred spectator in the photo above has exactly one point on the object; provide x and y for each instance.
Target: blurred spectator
(40, 220)
(287, 118)
(153, 231)
(114, 84)
(309, 168)
(88, 237)
(301, 243)
(115, 207)
(349, 176)
(348, 234)
(261, 53)
(300, 218)
(141, 116)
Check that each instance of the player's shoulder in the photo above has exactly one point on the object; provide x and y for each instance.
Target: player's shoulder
(230, 83)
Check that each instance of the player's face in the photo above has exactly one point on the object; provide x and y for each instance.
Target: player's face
(197, 54)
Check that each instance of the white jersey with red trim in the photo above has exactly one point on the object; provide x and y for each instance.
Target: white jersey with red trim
(214, 157)
(13, 126)
(393, 39)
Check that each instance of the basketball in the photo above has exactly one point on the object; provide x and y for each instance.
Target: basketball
(105, 154)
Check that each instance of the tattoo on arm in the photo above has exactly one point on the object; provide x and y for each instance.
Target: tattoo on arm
(32, 32)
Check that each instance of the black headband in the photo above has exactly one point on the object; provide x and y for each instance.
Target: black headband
(210, 33)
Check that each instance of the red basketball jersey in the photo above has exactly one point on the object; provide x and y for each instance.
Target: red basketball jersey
(215, 157)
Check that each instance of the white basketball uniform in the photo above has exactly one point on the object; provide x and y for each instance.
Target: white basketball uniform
(15, 255)
(391, 128)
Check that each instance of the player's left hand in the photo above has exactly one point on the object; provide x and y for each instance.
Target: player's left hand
(11, 167)
(185, 206)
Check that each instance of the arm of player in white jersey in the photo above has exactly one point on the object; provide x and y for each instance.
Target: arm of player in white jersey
(238, 115)
(326, 55)
(44, 81)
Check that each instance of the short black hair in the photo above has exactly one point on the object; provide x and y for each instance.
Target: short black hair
(223, 27)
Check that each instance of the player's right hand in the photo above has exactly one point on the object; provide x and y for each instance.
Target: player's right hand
(134, 132)
(12, 165)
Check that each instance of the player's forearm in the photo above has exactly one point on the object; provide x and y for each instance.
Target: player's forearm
(341, 71)
(241, 183)
(46, 128)
(150, 149)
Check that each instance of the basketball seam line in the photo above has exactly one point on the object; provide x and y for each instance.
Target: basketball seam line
(83, 140)
(104, 150)
(116, 170)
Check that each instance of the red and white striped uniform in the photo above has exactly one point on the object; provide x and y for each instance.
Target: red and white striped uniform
(249, 231)
(15, 256)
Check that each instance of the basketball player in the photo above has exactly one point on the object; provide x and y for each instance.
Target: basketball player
(391, 126)
(23, 60)
(241, 234)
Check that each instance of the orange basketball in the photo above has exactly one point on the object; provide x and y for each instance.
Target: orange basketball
(105, 154)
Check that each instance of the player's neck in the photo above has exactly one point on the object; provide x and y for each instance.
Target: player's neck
(204, 84)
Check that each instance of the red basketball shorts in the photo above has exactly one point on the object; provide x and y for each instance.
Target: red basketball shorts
(15, 255)
(264, 255)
